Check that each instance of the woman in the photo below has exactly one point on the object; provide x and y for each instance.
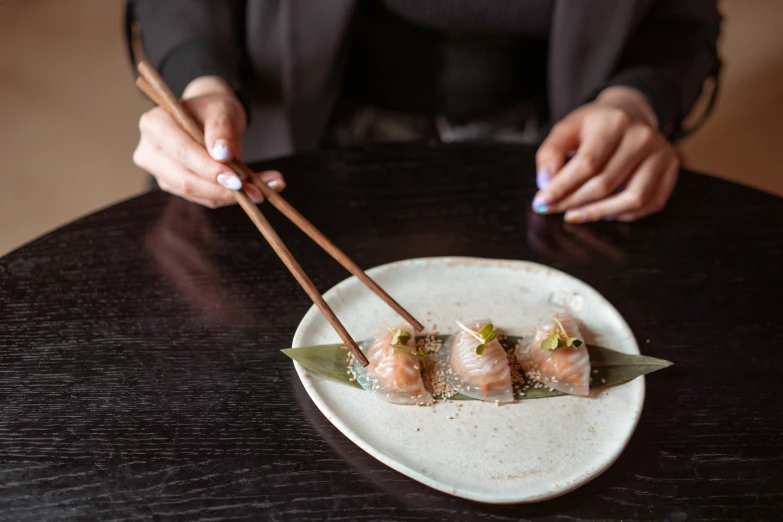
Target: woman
(604, 86)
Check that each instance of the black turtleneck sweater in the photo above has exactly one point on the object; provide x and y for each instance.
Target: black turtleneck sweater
(463, 58)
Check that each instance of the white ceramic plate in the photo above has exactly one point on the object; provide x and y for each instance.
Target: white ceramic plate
(522, 452)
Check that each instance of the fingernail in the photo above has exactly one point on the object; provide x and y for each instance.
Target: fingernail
(229, 181)
(541, 204)
(256, 199)
(275, 184)
(543, 177)
(220, 150)
(574, 216)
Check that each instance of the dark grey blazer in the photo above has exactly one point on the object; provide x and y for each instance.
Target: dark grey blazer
(285, 57)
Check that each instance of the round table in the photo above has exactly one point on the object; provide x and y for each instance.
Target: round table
(141, 377)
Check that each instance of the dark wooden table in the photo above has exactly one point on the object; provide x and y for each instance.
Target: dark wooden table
(140, 376)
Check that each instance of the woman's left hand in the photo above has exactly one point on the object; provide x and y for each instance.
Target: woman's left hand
(617, 146)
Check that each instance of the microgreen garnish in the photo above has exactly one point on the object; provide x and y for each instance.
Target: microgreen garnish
(555, 340)
(483, 336)
(400, 340)
(399, 336)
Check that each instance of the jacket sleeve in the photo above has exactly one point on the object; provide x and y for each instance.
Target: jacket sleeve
(185, 39)
(669, 57)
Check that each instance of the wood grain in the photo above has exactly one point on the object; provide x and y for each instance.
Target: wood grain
(140, 377)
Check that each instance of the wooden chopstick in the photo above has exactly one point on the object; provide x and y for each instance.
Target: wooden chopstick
(246, 173)
(155, 87)
(308, 228)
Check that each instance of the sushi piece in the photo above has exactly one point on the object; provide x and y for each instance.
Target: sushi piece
(475, 365)
(394, 372)
(558, 356)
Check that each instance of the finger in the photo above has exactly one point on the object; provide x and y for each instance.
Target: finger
(254, 193)
(273, 179)
(659, 198)
(561, 141)
(163, 133)
(602, 138)
(634, 146)
(637, 193)
(221, 129)
(174, 178)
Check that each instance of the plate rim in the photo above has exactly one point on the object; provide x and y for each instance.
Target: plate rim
(308, 379)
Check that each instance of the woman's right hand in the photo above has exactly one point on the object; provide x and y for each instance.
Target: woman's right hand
(182, 166)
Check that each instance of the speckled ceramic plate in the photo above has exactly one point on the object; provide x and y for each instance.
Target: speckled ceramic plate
(522, 452)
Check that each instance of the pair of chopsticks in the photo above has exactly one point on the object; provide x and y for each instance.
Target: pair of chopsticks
(153, 85)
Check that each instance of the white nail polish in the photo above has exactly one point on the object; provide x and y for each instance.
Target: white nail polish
(275, 184)
(229, 181)
(220, 150)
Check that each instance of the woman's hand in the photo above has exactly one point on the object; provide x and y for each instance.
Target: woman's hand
(616, 146)
(183, 167)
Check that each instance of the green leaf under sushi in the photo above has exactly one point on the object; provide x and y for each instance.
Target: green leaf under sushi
(329, 360)
(609, 368)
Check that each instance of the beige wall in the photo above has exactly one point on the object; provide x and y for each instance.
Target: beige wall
(743, 139)
(68, 110)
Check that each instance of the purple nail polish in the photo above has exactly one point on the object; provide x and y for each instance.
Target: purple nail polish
(543, 177)
(540, 206)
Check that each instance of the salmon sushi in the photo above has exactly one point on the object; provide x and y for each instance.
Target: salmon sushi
(394, 373)
(557, 356)
(477, 369)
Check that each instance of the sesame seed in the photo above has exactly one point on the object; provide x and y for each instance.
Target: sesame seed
(449, 417)
(417, 429)
(603, 380)
(595, 371)
(497, 402)
(459, 405)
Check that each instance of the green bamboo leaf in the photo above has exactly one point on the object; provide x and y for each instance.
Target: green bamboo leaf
(618, 368)
(613, 368)
(329, 360)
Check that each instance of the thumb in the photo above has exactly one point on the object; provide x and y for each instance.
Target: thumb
(223, 128)
(563, 140)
